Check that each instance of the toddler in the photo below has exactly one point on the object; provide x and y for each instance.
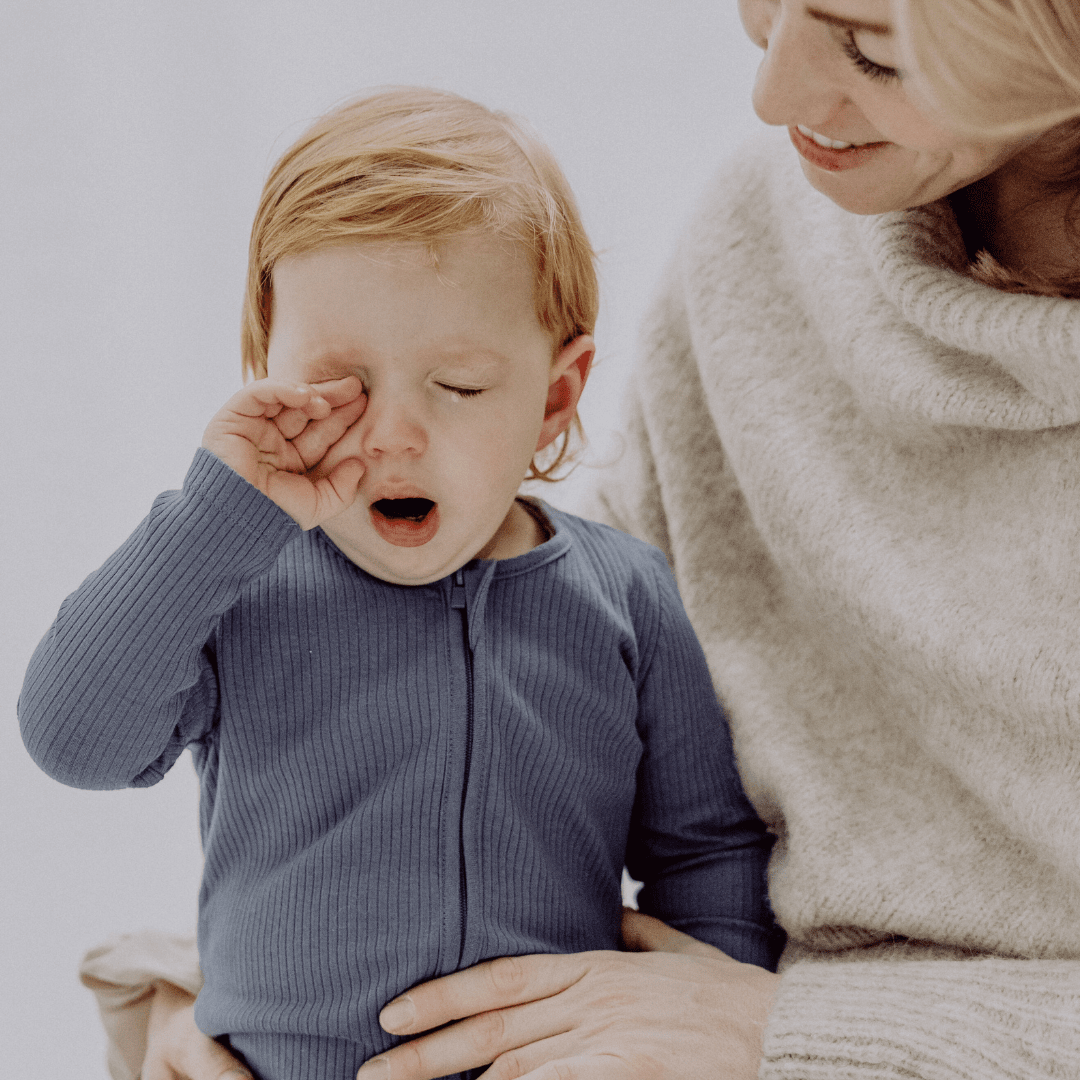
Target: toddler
(432, 718)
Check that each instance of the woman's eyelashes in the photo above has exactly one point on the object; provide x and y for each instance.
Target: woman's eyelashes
(864, 63)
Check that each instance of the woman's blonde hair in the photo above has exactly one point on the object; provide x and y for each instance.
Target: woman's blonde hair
(996, 68)
(412, 164)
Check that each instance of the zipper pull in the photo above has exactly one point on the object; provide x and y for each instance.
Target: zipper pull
(457, 593)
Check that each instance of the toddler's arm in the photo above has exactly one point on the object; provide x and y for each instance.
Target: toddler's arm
(695, 840)
(125, 678)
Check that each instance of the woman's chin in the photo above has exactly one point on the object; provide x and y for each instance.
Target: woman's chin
(856, 196)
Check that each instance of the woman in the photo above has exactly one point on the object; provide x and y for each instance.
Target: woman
(857, 438)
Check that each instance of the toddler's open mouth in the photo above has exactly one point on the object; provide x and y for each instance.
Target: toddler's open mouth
(405, 522)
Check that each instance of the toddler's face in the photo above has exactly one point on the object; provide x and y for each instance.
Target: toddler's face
(457, 370)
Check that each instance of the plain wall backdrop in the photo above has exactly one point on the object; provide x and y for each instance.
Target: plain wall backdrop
(135, 139)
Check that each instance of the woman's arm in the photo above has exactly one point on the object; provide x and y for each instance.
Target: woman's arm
(847, 1016)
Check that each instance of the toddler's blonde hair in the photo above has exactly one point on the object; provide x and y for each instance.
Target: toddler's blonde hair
(411, 164)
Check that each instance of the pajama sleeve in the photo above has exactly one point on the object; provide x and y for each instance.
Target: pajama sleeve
(124, 678)
(695, 841)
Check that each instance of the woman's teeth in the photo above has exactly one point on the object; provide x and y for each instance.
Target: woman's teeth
(829, 144)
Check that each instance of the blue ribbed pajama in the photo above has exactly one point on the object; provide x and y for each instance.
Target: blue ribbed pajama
(399, 781)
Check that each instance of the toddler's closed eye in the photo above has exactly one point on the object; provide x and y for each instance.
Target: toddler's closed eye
(462, 391)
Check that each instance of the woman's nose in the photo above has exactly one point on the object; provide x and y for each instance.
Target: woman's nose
(391, 426)
(796, 82)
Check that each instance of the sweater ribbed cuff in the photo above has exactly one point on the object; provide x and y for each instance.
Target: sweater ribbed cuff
(985, 1019)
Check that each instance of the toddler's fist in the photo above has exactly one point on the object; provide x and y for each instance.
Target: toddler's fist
(278, 436)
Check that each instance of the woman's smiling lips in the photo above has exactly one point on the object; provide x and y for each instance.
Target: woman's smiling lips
(837, 157)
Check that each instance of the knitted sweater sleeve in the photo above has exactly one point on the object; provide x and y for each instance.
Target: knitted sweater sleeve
(848, 1018)
(124, 678)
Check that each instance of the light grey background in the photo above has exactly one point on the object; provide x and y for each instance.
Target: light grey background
(134, 138)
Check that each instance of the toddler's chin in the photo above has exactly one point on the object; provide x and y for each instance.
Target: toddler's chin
(399, 565)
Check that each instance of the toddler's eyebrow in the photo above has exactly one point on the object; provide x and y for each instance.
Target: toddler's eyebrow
(465, 353)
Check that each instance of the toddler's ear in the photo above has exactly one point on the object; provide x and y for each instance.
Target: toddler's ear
(569, 370)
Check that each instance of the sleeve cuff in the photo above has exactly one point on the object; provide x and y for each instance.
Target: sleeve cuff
(837, 1019)
(209, 478)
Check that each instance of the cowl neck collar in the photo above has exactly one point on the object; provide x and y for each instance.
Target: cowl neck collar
(1026, 348)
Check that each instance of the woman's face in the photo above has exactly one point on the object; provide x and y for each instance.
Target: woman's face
(832, 74)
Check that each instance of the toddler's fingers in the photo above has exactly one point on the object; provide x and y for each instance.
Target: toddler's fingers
(292, 421)
(311, 501)
(313, 443)
(340, 391)
(268, 397)
(337, 491)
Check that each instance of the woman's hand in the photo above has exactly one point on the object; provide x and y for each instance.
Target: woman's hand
(278, 437)
(675, 1008)
(176, 1049)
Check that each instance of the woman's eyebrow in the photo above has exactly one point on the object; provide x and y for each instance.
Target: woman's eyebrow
(849, 24)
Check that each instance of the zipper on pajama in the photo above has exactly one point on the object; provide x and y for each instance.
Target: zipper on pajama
(459, 602)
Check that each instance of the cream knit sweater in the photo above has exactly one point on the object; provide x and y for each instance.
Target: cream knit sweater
(865, 469)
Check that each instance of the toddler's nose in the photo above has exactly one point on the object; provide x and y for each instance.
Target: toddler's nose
(390, 427)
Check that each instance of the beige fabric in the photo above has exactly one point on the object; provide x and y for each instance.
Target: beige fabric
(865, 468)
(122, 973)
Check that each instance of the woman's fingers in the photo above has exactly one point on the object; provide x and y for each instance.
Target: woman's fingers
(495, 984)
(579, 1067)
(486, 996)
(643, 933)
(555, 1057)
(176, 1049)
(651, 1015)
(470, 1043)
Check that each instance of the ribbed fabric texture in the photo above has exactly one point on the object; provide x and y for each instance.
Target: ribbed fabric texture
(398, 782)
(865, 469)
(904, 1019)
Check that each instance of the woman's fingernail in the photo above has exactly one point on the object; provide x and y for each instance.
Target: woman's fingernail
(398, 1015)
(375, 1069)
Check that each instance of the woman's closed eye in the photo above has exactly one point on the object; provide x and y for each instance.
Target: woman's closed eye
(867, 66)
